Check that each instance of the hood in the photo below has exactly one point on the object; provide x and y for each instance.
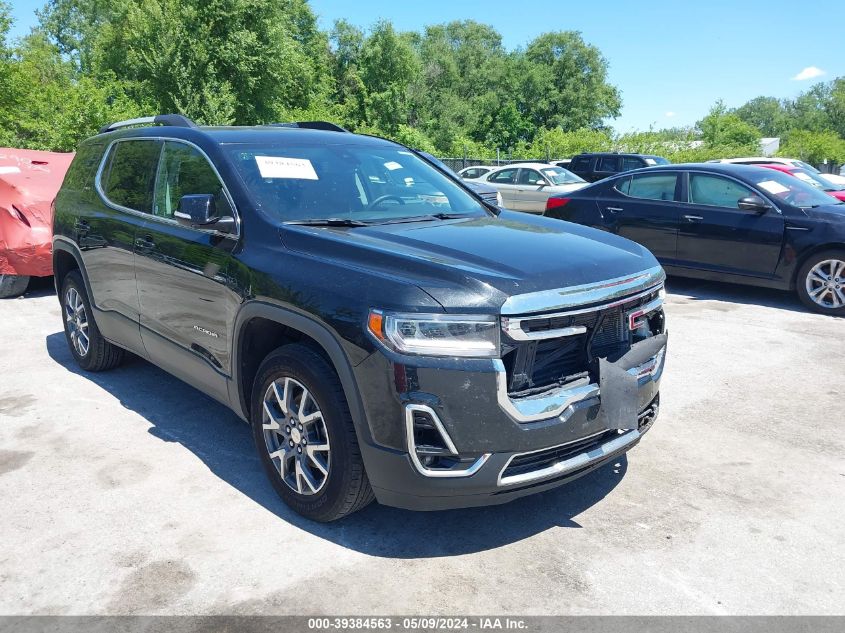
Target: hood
(828, 213)
(476, 264)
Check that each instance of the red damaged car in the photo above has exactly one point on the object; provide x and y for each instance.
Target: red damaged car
(29, 181)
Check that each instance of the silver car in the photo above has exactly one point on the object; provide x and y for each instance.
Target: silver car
(527, 186)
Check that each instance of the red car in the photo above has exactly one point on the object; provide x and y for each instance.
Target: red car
(837, 191)
(29, 181)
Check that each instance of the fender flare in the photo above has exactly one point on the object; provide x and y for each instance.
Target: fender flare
(67, 246)
(315, 330)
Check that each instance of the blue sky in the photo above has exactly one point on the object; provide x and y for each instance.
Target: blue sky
(671, 60)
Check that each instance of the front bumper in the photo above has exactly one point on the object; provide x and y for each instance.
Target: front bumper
(511, 449)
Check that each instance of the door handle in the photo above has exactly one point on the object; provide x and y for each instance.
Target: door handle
(614, 209)
(693, 218)
(145, 243)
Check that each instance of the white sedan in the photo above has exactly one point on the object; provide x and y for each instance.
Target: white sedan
(527, 186)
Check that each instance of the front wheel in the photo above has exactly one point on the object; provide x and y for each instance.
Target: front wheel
(13, 285)
(821, 283)
(305, 436)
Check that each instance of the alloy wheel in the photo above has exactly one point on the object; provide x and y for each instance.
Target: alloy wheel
(295, 435)
(77, 321)
(825, 283)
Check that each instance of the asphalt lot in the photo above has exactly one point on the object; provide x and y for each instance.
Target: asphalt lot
(130, 492)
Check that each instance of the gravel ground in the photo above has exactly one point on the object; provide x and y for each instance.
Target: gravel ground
(129, 492)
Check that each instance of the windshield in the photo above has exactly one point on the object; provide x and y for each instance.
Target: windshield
(366, 183)
(816, 181)
(793, 190)
(651, 161)
(807, 166)
(561, 176)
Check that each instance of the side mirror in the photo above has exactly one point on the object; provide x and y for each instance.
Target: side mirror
(753, 203)
(541, 183)
(200, 210)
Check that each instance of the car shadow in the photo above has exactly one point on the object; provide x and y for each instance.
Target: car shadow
(212, 432)
(702, 290)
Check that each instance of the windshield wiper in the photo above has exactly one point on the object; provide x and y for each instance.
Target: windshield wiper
(329, 222)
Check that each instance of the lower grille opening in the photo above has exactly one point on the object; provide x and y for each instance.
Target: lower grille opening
(531, 462)
(433, 450)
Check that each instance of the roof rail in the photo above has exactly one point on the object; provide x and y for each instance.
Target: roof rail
(176, 120)
(312, 125)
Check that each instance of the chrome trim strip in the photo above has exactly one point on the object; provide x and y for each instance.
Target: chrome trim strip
(560, 401)
(156, 218)
(513, 328)
(577, 296)
(412, 449)
(139, 121)
(573, 463)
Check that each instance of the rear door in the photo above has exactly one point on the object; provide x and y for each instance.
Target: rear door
(644, 208)
(106, 233)
(504, 181)
(607, 166)
(715, 234)
(187, 303)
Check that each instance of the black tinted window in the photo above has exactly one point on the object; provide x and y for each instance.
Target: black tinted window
(183, 171)
(81, 171)
(608, 163)
(630, 162)
(716, 191)
(580, 164)
(651, 186)
(129, 176)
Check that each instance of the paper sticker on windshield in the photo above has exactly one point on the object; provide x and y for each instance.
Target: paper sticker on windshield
(772, 186)
(391, 165)
(281, 167)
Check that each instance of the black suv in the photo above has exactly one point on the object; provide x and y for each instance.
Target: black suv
(385, 332)
(595, 166)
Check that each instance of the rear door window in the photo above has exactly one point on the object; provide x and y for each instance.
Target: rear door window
(608, 164)
(504, 177)
(650, 186)
(129, 174)
(630, 162)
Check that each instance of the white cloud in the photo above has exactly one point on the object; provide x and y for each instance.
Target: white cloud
(808, 73)
(670, 114)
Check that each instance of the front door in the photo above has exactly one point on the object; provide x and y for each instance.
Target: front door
(715, 234)
(187, 303)
(532, 190)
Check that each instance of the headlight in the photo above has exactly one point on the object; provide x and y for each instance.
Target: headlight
(436, 334)
(499, 198)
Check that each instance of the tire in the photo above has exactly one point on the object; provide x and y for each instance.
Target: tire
(314, 443)
(13, 285)
(821, 282)
(98, 354)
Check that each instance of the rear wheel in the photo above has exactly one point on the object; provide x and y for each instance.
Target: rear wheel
(13, 285)
(821, 283)
(90, 350)
(305, 436)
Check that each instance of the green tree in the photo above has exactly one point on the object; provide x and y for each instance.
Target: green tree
(767, 114)
(388, 65)
(814, 147)
(565, 83)
(723, 128)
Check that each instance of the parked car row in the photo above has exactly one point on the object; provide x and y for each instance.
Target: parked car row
(738, 223)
